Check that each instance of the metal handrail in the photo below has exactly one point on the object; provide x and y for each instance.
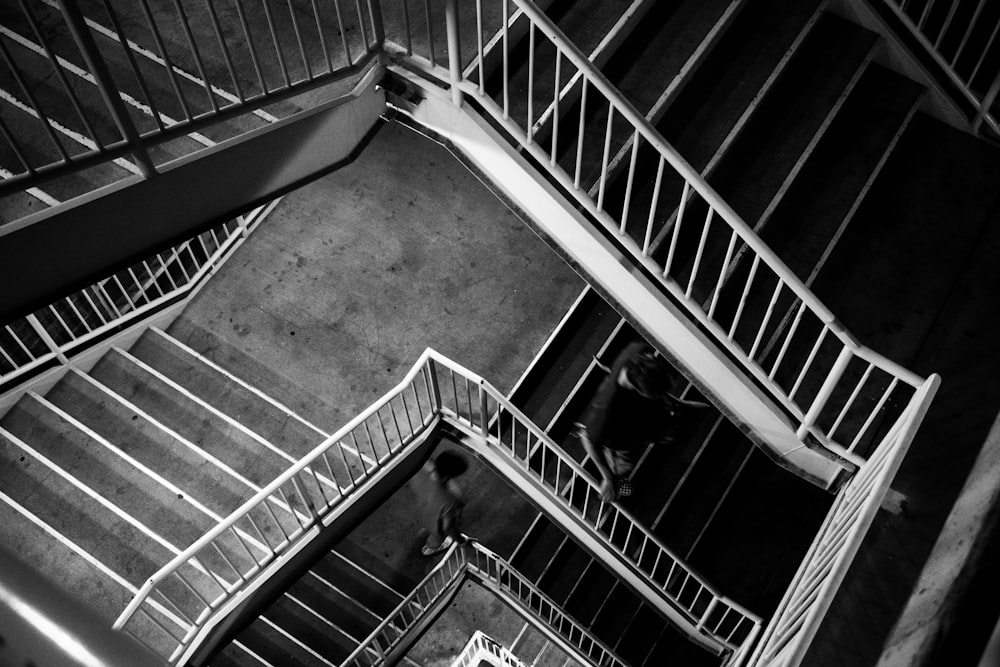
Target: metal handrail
(811, 592)
(707, 616)
(923, 30)
(501, 578)
(883, 374)
(138, 297)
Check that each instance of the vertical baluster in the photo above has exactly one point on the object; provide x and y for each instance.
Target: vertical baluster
(361, 23)
(479, 47)
(556, 96)
(700, 253)
(226, 56)
(26, 91)
(629, 182)
(322, 37)
(647, 238)
(165, 57)
(605, 156)
(251, 47)
(787, 341)
(767, 319)
(676, 232)
(298, 38)
(71, 17)
(506, 60)
(531, 83)
(946, 24)
(196, 55)
(406, 26)
(277, 44)
(722, 274)
(968, 31)
(580, 133)
(743, 296)
(430, 33)
(809, 361)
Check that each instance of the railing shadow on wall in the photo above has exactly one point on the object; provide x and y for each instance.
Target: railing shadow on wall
(180, 605)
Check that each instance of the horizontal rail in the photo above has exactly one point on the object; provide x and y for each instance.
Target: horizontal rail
(787, 636)
(475, 561)
(965, 45)
(184, 66)
(61, 329)
(839, 393)
(288, 512)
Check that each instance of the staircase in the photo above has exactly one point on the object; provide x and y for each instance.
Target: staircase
(796, 116)
(113, 471)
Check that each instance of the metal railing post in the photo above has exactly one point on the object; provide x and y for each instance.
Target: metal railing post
(105, 83)
(984, 109)
(432, 385)
(47, 339)
(454, 54)
(483, 418)
(832, 378)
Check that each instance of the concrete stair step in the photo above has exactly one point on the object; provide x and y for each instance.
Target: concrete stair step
(178, 460)
(732, 76)
(665, 41)
(271, 643)
(96, 464)
(170, 406)
(795, 111)
(352, 619)
(753, 560)
(258, 374)
(320, 634)
(227, 393)
(110, 537)
(104, 592)
(564, 360)
(910, 237)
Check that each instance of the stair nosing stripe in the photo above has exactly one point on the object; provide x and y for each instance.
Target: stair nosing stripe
(69, 544)
(257, 392)
(101, 500)
(243, 647)
(253, 435)
(295, 641)
(167, 430)
(863, 193)
(680, 482)
(368, 574)
(319, 616)
(779, 68)
(170, 486)
(811, 146)
(360, 604)
(204, 404)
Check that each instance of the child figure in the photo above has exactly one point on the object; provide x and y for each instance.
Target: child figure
(440, 500)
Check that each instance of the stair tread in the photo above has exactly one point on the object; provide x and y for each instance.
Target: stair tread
(790, 114)
(189, 419)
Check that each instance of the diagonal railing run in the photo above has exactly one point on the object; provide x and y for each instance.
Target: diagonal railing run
(205, 582)
(388, 642)
(840, 395)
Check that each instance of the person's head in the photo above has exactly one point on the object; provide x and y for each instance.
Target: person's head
(650, 375)
(449, 465)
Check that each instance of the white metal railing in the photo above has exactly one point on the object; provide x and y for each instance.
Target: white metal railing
(57, 331)
(963, 38)
(201, 584)
(787, 637)
(183, 66)
(481, 648)
(665, 215)
(474, 560)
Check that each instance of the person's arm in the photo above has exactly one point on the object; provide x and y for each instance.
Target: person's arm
(596, 454)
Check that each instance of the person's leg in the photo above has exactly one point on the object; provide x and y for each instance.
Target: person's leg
(446, 531)
(621, 463)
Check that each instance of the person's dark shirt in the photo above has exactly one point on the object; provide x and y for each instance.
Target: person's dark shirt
(620, 418)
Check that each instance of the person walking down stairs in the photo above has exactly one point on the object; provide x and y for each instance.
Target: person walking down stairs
(634, 405)
(440, 501)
